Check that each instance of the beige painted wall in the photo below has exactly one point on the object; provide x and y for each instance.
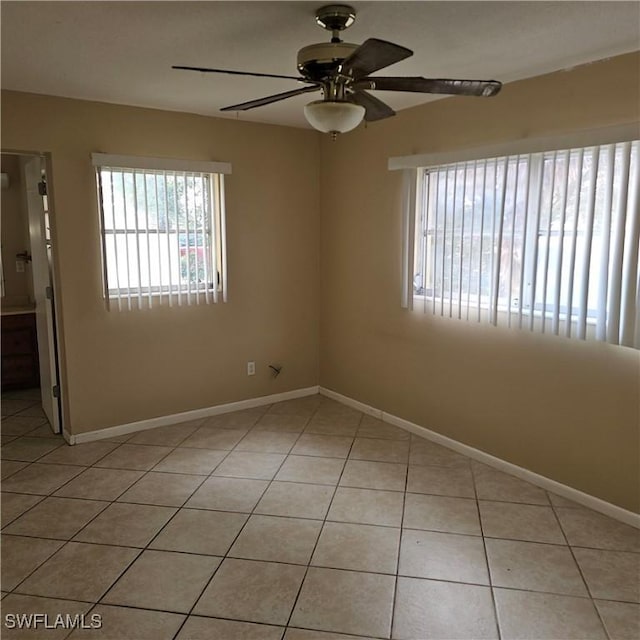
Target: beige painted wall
(15, 236)
(565, 409)
(123, 367)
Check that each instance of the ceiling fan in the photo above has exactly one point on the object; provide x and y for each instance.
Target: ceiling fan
(342, 72)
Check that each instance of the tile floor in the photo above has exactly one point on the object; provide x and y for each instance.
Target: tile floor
(304, 520)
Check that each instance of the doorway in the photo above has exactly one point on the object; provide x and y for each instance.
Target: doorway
(28, 302)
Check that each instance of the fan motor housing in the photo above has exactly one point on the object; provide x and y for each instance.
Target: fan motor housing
(316, 61)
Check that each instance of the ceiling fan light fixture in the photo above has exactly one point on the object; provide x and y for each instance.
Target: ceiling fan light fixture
(333, 117)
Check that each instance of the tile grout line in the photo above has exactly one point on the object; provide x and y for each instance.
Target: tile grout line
(146, 472)
(575, 560)
(400, 541)
(42, 499)
(117, 501)
(337, 569)
(66, 542)
(300, 564)
(155, 536)
(324, 521)
(42, 496)
(177, 510)
(210, 475)
(486, 556)
(226, 555)
(368, 571)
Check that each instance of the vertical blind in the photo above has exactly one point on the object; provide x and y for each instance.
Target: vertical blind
(543, 241)
(162, 230)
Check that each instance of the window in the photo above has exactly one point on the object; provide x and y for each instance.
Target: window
(163, 230)
(546, 241)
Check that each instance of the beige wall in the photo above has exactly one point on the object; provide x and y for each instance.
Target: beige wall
(565, 409)
(123, 367)
(15, 236)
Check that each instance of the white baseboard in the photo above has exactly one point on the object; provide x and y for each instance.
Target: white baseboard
(360, 406)
(606, 508)
(186, 416)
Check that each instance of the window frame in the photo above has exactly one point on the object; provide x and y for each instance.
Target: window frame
(413, 176)
(213, 230)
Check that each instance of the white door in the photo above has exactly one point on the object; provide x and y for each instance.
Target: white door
(43, 294)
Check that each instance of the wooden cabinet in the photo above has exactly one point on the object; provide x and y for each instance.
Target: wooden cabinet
(20, 366)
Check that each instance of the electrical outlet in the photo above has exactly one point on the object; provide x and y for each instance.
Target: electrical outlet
(251, 368)
(20, 266)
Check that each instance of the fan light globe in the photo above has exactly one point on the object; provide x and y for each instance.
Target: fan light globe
(333, 117)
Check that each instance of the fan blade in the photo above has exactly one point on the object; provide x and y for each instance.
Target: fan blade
(261, 102)
(484, 88)
(372, 55)
(375, 109)
(239, 73)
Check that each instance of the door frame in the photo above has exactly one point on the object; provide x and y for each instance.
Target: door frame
(57, 348)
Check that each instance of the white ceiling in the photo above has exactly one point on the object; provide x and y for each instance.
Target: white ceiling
(122, 52)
